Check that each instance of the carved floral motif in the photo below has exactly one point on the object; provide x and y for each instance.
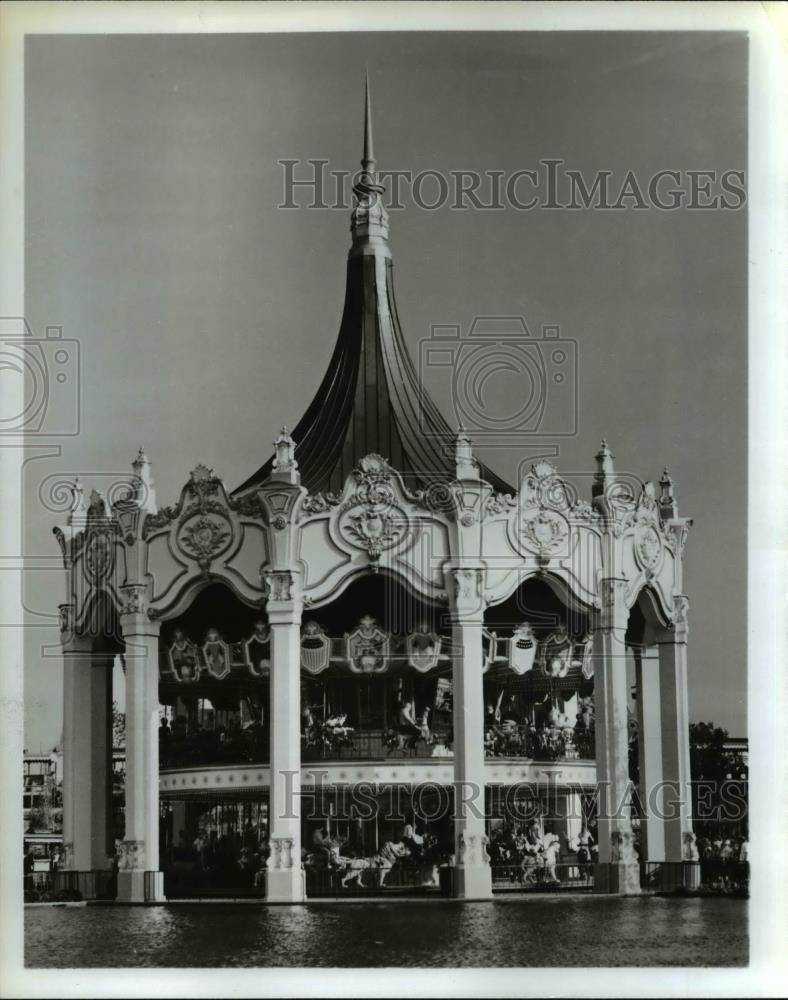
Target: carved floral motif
(131, 855)
(281, 856)
(66, 618)
(206, 537)
(134, 595)
(622, 848)
(279, 584)
(319, 503)
(544, 532)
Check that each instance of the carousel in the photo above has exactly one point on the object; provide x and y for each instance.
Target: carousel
(355, 656)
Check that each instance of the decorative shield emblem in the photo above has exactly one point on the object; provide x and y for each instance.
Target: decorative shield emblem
(545, 533)
(489, 649)
(216, 653)
(315, 649)
(443, 695)
(182, 655)
(257, 650)
(522, 649)
(367, 648)
(557, 653)
(424, 648)
(584, 657)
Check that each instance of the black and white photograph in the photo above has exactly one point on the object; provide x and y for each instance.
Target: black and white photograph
(392, 438)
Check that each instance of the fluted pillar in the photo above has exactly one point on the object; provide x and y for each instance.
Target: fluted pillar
(139, 877)
(652, 835)
(284, 876)
(674, 720)
(87, 756)
(473, 878)
(617, 870)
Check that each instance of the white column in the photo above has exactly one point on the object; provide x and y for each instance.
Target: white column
(284, 876)
(618, 870)
(87, 750)
(139, 877)
(473, 878)
(652, 835)
(677, 796)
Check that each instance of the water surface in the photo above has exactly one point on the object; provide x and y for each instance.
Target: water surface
(545, 931)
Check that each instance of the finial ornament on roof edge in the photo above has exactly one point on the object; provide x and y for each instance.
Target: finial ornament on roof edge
(285, 467)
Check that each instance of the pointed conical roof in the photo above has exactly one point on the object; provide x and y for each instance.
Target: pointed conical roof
(371, 399)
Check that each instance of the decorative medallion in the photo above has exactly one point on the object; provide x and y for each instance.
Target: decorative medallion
(648, 548)
(216, 653)
(99, 556)
(522, 649)
(373, 528)
(315, 649)
(257, 650)
(367, 647)
(424, 648)
(205, 536)
(182, 655)
(544, 532)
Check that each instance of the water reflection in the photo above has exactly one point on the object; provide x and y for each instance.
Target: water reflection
(576, 931)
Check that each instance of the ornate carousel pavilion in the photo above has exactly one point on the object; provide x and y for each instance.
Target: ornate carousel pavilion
(375, 648)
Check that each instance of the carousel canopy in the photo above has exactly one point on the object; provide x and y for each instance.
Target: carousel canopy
(371, 400)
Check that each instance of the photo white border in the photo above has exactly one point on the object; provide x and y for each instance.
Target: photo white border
(766, 24)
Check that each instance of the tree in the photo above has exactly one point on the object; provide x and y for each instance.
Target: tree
(118, 726)
(719, 782)
(710, 759)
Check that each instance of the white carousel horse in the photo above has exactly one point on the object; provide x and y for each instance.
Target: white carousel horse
(352, 869)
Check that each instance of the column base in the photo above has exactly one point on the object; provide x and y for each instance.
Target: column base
(676, 876)
(140, 887)
(617, 879)
(285, 885)
(473, 882)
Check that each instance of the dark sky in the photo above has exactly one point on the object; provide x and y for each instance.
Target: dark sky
(206, 315)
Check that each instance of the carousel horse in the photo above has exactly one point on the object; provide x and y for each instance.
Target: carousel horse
(352, 869)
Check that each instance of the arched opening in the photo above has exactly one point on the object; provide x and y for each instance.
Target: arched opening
(376, 675)
(214, 666)
(538, 685)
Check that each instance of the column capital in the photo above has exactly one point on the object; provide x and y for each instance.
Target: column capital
(465, 585)
(284, 602)
(678, 631)
(612, 611)
(137, 623)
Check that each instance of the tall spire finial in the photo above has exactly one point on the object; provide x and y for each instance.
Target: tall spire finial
(369, 219)
(368, 162)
